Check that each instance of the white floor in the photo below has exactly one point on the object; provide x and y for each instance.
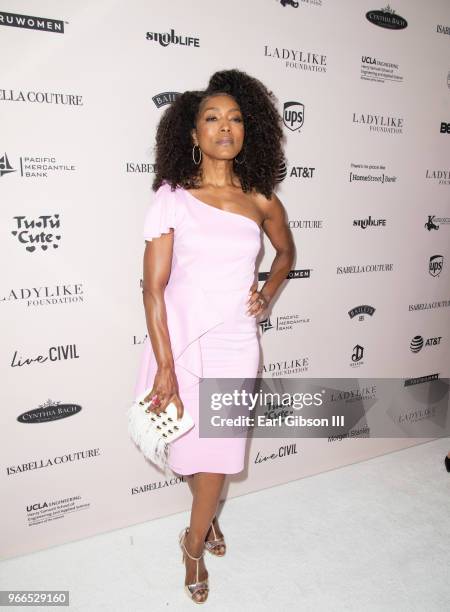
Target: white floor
(370, 536)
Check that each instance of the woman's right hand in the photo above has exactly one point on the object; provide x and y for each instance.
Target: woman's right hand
(165, 387)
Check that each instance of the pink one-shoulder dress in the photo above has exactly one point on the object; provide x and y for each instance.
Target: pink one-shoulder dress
(213, 268)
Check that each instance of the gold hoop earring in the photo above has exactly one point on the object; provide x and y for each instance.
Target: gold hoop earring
(193, 155)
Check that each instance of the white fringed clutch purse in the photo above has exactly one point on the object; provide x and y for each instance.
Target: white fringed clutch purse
(153, 433)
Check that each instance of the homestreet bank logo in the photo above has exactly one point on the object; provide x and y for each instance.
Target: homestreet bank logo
(365, 173)
(386, 18)
(32, 23)
(167, 38)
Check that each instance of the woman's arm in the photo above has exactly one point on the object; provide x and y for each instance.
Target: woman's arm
(157, 266)
(276, 227)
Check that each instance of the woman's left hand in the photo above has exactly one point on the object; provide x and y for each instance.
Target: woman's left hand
(256, 302)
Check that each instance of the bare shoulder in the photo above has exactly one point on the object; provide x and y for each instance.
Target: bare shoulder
(270, 209)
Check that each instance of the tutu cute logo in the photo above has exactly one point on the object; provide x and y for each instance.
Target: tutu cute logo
(33, 233)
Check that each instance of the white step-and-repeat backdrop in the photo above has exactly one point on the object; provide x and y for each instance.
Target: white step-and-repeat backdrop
(364, 90)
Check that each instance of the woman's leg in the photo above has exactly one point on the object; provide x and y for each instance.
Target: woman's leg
(206, 488)
(215, 521)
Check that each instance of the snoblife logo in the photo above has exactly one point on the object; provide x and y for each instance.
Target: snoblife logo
(167, 38)
(29, 22)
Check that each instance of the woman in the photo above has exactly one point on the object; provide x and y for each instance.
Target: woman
(217, 156)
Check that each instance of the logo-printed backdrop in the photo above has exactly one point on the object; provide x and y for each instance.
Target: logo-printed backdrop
(365, 100)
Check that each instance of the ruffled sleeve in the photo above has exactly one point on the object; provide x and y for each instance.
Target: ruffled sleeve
(161, 214)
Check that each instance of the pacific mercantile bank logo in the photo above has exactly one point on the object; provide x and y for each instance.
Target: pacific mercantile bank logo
(29, 22)
(34, 166)
(293, 115)
(41, 232)
(282, 323)
(167, 38)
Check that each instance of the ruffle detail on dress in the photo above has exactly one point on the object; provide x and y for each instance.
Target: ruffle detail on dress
(189, 316)
(161, 214)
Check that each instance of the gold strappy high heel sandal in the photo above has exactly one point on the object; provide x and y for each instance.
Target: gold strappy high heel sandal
(213, 546)
(195, 587)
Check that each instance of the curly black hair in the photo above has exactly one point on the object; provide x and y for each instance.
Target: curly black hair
(262, 151)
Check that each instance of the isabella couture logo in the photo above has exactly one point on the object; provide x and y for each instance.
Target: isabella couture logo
(170, 38)
(386, 18)
(44, 24)
(41, 97)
